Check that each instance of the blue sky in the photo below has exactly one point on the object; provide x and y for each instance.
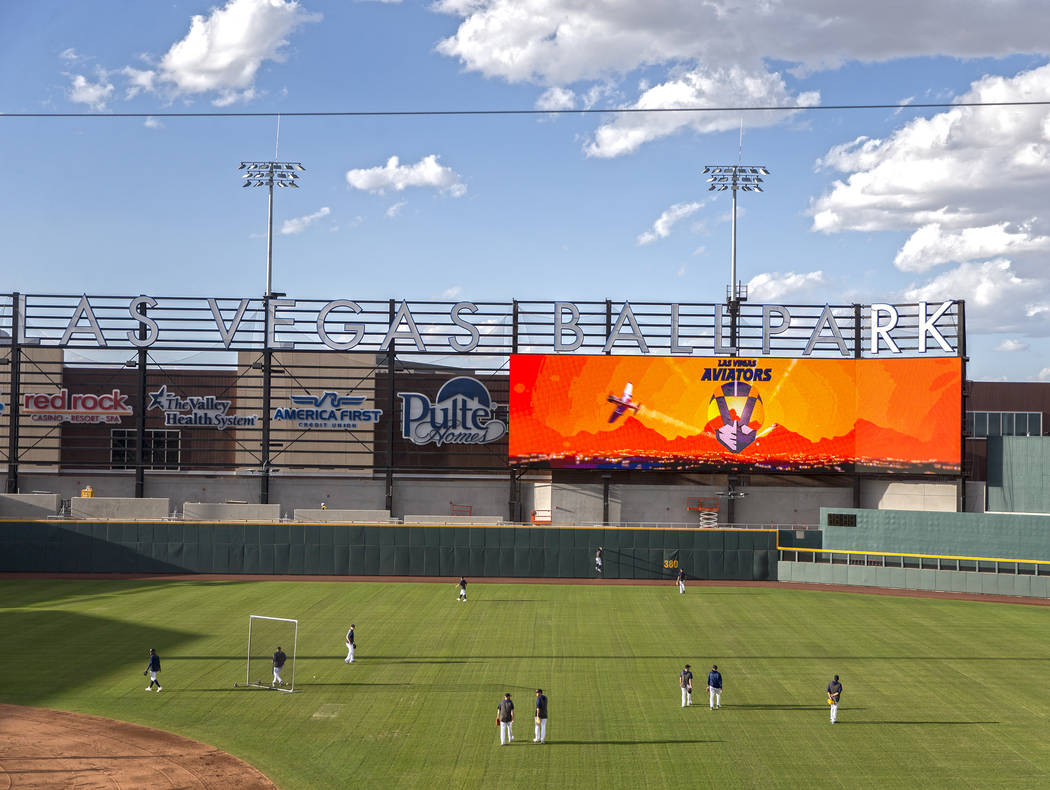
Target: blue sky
(868, 205)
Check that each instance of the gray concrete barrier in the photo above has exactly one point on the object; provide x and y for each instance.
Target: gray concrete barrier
(118, 508)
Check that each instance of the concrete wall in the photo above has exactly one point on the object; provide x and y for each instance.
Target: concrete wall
(766, 505)
(1019, 474)
(338, 493)
(915, 579)
(581, 503)
(121, 484)
(436, 497)
(317, 516)
(908, 495)
(212, 511)
(118, 508)
(29, 505)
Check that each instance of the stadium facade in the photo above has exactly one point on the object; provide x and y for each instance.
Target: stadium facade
(555, 412)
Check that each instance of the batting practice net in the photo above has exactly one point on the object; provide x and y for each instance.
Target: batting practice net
(267, 635)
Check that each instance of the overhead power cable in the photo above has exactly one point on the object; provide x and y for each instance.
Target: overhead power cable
(582, 111)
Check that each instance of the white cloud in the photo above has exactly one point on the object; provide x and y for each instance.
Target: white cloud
(427, 172)
(299, 224)
(395, 209)
(152, 123)
(931, 245)
(700, 87)
(558, 42)
(966, 167)
(69, 55)
(556, 98)
(1044, 374)
(222, 52)
(451, 292)
(93, 94)
(665, 222)
(138, 80)
(681, 271)
(998, 298)
(1010, 345)
(773, 286)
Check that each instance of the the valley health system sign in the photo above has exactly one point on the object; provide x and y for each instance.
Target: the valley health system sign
(205, 411)
(463, 413)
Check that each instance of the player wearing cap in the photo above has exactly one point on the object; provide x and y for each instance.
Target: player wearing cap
(462, 584)
(351, 645)
(834, 695)
(505, 720)
(541, 717)
(685, 680)
(278, 664)
(153, 669)
(681, 581)
(714, 687)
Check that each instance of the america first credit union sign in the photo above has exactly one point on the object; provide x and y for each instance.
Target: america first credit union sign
(210, 323)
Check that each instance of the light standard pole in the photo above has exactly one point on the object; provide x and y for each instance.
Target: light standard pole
(268, 174)
(722, 178)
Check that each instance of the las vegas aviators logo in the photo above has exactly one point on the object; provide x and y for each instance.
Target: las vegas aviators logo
(735, 415)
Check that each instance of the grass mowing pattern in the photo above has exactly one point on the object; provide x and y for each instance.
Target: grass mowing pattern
(937, 693)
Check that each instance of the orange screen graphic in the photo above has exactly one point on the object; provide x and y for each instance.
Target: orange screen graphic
(893, 415)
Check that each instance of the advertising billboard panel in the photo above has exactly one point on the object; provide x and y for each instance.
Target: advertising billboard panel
(815, 415)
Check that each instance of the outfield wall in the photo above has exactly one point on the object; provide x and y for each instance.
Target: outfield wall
(55, 546)
(1006, 535)
(1028, 586)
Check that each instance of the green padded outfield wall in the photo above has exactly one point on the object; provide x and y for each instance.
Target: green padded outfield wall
(1019, 474)
(383, 550)
(998, 535)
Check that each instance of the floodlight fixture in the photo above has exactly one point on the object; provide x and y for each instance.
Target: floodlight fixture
(270, 174)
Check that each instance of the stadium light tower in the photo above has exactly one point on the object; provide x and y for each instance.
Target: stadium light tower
(270, 174)
(722, 178)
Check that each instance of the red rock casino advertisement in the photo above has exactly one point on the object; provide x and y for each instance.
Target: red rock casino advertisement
(886, 415)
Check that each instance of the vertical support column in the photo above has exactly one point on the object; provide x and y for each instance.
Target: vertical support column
(514, 498)
(961, 343)
(140, 419)
(13, 419)
(606, 485)
(608, 321)
(391, 373)
(514, 327)
(858, 350)
(730, 500)
(264, 454)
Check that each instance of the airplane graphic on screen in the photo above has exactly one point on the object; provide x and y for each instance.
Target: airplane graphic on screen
(623, 403)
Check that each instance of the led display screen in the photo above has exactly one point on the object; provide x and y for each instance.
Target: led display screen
(885, 415)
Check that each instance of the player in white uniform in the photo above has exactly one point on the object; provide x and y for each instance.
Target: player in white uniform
(351, 645)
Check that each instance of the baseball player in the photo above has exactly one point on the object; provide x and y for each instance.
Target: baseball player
(599, 560)
(278, 664)
(505, 720)
(714, 687)
(462, 583)
(681, 581)
(685, 680)
(834, 694)
(153, 669)
(541, 717)
(351, 645)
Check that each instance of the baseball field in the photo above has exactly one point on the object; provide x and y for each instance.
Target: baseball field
(937, 693)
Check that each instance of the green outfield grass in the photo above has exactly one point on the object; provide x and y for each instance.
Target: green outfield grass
(938, 694)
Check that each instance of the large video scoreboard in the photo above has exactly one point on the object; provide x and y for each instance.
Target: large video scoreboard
(776, 414)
